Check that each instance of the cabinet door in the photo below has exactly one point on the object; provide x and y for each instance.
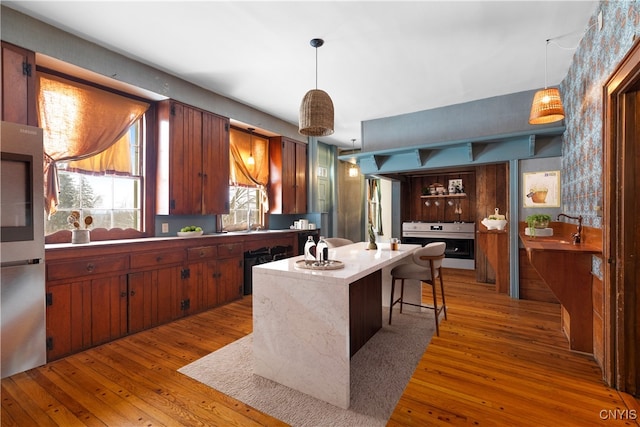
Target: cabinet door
(154, 298)
(192, 285)
(185, 160)
(108, 309)
(301, 178)
(230, 276)
(18, 85)
(215, 157)
(288, 177)
(66, 318)
(210, 285)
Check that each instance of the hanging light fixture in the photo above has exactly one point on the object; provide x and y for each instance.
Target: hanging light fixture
(251, 160)
(316, 109)
(547, 105)
(353, 169)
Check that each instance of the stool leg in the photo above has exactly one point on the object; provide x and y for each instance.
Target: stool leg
(393, 286)
(401, 294)
(435, 305)
(444, 305)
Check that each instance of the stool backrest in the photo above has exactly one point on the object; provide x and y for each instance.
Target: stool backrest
(334, 242)
(435, 249)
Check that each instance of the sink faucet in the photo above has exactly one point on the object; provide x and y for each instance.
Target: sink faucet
(577, 236)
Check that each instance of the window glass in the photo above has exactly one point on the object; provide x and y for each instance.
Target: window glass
(244, 203)
(113, 200)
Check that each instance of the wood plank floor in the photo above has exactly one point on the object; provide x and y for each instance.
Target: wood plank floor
(497, 361)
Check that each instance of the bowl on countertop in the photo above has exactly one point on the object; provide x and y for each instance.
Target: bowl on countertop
(189, 233)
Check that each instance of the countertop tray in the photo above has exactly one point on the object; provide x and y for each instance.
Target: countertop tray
(331, 265)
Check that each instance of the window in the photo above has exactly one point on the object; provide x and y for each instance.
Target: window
(114, 200)
(244, 204)
(94, 156)
(248, 180)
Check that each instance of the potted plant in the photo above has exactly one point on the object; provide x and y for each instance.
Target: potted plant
(538, 221)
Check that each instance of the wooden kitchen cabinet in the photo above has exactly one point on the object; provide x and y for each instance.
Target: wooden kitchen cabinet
(155, 292)
(287, 176)
(154, 298)
(230, 276)
(18, 88)
(193, 161)
(84, 314)
(215, 278)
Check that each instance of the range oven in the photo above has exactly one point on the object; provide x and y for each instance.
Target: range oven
(458, 236)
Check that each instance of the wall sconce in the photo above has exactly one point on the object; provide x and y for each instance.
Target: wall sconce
(353, 169)
(547, 105)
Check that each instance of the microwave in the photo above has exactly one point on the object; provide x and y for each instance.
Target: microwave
(21, 192)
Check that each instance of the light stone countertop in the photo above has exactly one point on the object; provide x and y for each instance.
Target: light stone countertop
(358, 260)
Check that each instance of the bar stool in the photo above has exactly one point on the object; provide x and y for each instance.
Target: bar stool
(426, 267)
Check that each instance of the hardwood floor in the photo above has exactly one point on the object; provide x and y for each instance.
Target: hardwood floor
(497, 361)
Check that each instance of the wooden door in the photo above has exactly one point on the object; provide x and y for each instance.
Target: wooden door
(215, 157)
(621, 226)
(18, 85)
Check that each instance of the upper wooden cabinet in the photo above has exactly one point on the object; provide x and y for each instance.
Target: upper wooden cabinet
(287, 176)
(18, 89)
(193, 161)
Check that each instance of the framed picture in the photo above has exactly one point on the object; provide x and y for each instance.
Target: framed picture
(541, 189)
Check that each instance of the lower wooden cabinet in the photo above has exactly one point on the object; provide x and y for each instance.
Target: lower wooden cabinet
(216, 279)
(92, 300)
(85, 313)
(153, 298)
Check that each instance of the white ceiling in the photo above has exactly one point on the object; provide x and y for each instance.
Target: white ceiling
(380, 58)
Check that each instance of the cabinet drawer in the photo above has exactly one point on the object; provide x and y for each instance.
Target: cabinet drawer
(156, 259)
(86, 267)
(202, 252)
(229, 250)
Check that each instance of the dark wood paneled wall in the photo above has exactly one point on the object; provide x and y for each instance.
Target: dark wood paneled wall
(418, 211)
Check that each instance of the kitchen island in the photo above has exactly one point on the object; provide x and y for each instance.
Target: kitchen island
(308, 323)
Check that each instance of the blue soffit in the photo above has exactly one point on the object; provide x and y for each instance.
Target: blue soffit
(484, 131)
(547, 142)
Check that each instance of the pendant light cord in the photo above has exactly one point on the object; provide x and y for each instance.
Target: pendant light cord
(316, 68)
(546, 55)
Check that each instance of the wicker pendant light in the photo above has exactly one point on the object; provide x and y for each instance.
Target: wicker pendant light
(547, 105)
(316, 109)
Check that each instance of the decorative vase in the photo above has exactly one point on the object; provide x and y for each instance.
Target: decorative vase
(372, 245)
(80, 236)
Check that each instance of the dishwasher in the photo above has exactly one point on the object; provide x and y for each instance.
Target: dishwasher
(251, 258)
(261, 256)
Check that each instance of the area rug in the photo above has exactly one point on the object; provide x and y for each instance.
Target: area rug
(380, 371)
